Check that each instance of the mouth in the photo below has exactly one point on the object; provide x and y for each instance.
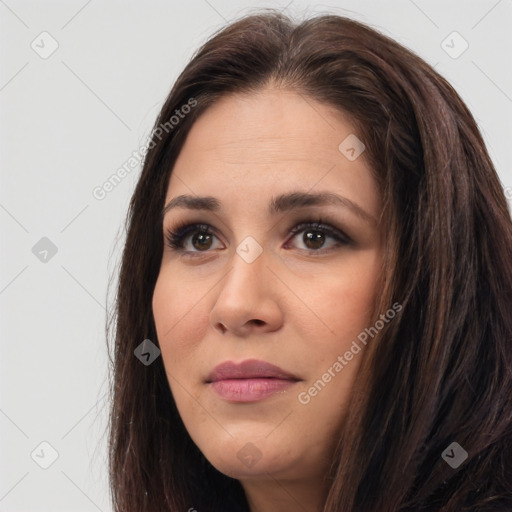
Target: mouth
(249, 381)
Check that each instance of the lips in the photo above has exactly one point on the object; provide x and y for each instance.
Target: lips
(249, 381)
(250, 369)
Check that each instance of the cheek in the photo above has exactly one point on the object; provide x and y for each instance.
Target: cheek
(341, 301)
(180, 319)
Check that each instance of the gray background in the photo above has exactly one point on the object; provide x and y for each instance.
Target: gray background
(67, 123)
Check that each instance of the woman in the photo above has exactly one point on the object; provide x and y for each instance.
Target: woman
(317, 285)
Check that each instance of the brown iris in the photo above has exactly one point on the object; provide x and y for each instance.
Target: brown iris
(314, 239)
(204, 239)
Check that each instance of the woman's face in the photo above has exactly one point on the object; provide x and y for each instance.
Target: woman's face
(247, 293)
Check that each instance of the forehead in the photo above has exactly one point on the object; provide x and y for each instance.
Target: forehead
(269, 142)
(274, 122)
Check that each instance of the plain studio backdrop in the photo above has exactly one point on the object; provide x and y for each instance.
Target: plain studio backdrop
(81, 83)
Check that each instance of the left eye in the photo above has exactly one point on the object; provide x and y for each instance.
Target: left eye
(314, 237)
(315, 234)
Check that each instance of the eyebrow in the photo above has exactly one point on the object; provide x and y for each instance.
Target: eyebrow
(281, 203)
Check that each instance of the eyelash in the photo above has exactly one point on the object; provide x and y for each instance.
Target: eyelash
(175, 237)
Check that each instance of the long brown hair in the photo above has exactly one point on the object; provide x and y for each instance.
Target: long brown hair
(438, 374)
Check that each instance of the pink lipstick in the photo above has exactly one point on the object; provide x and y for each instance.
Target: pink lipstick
(249, 381)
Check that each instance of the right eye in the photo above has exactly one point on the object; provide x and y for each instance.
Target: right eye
(178, 237)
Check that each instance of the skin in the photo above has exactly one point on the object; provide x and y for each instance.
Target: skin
(298, 305)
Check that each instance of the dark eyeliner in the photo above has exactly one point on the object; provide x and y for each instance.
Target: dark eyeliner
(319, 225)
(174, 237)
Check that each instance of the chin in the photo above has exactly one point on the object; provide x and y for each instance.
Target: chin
(246, 457)
(234, 468)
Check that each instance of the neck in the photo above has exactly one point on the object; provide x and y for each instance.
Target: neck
(274, 495)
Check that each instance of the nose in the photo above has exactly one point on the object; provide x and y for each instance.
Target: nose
(247, 299)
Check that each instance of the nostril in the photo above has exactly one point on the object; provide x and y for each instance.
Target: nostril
(221, 327)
